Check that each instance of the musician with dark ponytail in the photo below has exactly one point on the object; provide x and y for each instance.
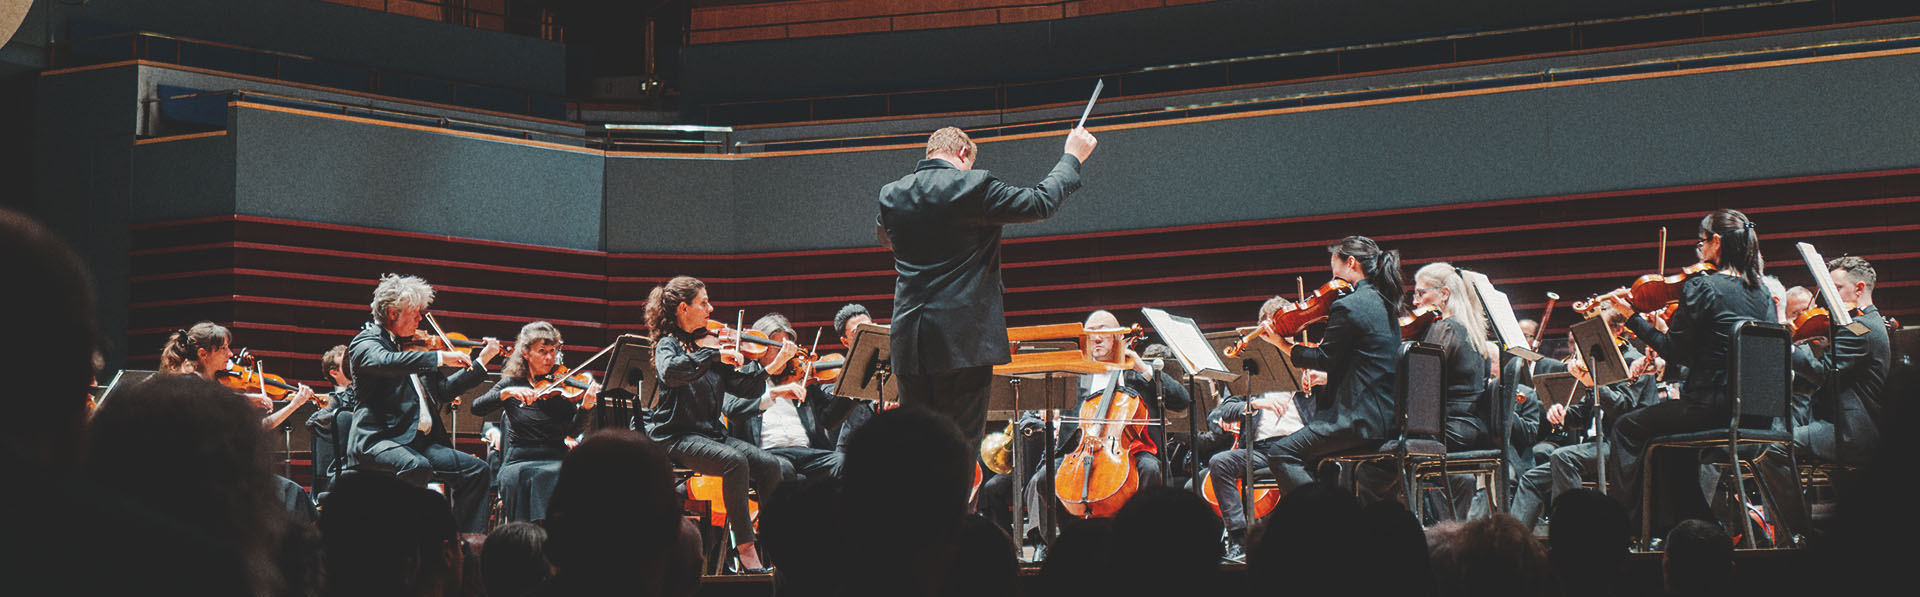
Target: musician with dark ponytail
(1697, 335)
(1362, 335)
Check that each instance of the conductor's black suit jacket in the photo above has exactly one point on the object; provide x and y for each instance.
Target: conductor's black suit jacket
(944, 225)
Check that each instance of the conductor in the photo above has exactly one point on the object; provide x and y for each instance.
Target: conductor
(943, 223)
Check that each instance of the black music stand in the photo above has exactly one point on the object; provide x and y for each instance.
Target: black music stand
(1593, 340)
(868, 374)
(1559, 388)
(122, 381)
(630, 380)
(1264, 369)
(1010, 395)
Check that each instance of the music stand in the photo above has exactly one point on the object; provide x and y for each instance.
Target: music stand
(1499, 311)
(125, 379)
(1261, 367)
(630, 379)
(1197, 355)
(1595, 342)
(1559, 388)
(868, 374)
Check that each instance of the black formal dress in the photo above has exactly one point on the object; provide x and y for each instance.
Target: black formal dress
(1355, 408)
(534, 442)
(691, 398)
(1699, 334)
(390, 433)
(1465, 371)
(949, 325)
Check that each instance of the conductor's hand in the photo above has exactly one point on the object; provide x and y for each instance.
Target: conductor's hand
(1080, 143)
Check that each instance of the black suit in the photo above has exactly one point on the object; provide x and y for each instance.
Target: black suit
(949, 325)
(386, 434)
(1355, 408)
(1846, 409)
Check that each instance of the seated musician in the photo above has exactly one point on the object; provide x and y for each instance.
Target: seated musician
(1569, 465)
(537, 425)
(1840, 421)
(1275, 415)
(1461, 334)
(697, 369)
(845, 322)
(794, 420)
(330, 438)
(1139, 381)
(397, 426)
(203, 351)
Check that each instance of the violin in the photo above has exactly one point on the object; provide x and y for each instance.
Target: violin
(440, 340)
(812, 370)
(564, 384)
(1415, 324)
(1296, 316)
(1648, 293)
(1813, 324)
(241, 379)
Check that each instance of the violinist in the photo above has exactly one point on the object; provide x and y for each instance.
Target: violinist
(1275, 415)
(1846, 409)
(792, 419)
(329, 437)
(397, 425)
(1461, 334)
(697, 368)
(1355, 408)
(1568, 465)
(537, 425)
(1697, 336)
(203, 351)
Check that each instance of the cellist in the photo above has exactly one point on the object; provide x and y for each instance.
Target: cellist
(1138, 381)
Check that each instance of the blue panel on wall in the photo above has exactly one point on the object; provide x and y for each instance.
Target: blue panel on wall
(208, 110)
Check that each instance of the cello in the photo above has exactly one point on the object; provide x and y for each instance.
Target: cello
(1099, 475)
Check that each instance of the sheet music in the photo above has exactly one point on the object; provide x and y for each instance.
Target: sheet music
(1189, 345)
(1829, 294)
(1506, 327)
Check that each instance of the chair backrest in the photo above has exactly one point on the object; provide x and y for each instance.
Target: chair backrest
(1419, 391)
(1757, 369)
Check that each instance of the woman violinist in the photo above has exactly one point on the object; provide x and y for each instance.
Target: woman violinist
(697, 369)
(204, 351)
(537, 425)
(1697, 336)
(1461, 334)
(1356, 406)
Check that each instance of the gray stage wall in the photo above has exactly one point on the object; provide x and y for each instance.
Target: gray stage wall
(325, 170)
(1849, 115)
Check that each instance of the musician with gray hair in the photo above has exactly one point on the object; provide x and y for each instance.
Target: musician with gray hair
(398, 427)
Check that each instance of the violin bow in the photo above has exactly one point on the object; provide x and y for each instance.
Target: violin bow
(581, 367)
(437, 331)
(1661, 269)
(1300, 286)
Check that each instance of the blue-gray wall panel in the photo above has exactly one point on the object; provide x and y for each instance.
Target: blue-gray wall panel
(326, 170)
(177, 180)
(664, 205)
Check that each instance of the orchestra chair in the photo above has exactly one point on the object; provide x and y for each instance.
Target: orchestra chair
(1758, 387)
(1419, 404)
